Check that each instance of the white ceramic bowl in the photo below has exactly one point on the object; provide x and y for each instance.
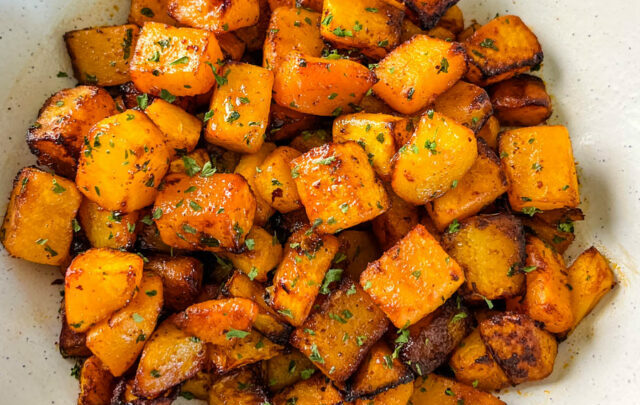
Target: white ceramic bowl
(592, 55)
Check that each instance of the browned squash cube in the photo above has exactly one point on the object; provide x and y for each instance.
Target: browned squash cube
(316, 390)
(29, 230)
(467, 104)
(247, 348)
(374, 132)
(320, 86)
(491, 250)
(170, 61)
(413, 278)
(396, 222)
(144, 11)
(287, 369)
(106, 228)
(232, 46)
(101, 56)
(70, 342)
(439, 153)
(415, 73)
(285, 123)
(373, 26)
(501, 49)
(238, 115)
(555, 227)
(521, 101)
(190, 163)
(429, 12)
(242, 387)
(338, 335)
(123, 161)
(181, 279)
(338, 187)
(198, 386)
(291, 29)
(308, 140)
(274, 181)
(216, 15)
(96, 383)
(357, 249)
(452, 20)
(262, 253)
(538, 162)
(181, 130)
(473, 364)
(468, 32)
(99, 282)
(433, 389)
(478, 188)
(254, 35)
(57, 135)
(299, 277)
(523, 351)
(205, 212)
(248, 168)
(489, 132)
(430, 341)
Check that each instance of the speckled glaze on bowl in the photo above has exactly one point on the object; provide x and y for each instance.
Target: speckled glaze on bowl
(592, 54)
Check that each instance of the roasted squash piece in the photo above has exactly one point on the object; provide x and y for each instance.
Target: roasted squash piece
(181, 279)
(467, 104)
(122, 162)
(554, 227)
(118, 340)
(262, 254)
(143, 11)
(240, 388)
(590, 278)
(395, 396)
(291, 29)
(254, 36)
(338, 335)
(441, 33)
(285, 123)
(99, 282)
(522, 350)
(57, 135)
(490, 249)
(429, 12)
(415, 73)
(548, 293)
(191, 163)
(357, 249)
(247, 167)
(238, 113)
(218, 321)
(232, 46)
(217, 16)
(101, 56)
(396, 222)
(70, 342)
(489, 132)
(169, 357)
(245, 349)
(123, 393)
(338, 187)
(468, 32)
(297, 281)
(378, 372)
(521, 101)
(413, 278)
(96, 383)
(181, 130)
(206, 211)
(170, 61)
(501, 49)
(316, 390)
(287, 369)
(473, 364)
(436, 390)
(105, 228)
(439, 153)
(198, 386)
(355, 24)
(273, 180)
(478, 188)
(320, 86)
(373, 132)
(310, 139)
(29, 231)
(409, 30)
(538, 162)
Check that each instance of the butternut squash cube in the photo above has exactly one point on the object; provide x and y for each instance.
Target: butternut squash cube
(205, 212)
(452, 20)
(467, 104)
(319, 86)
(192, 162)
(291, 29)
(521, 101)
(308, 140)
(96, 383)
(489, 132)
(285, 123)
(429, 12)
(338, 187)
(143, 11)
(373, 26)
(413, 278)
(231, 45)
(97, 283)
(181, 130)
(357, 249)
(181, 279)
(102, 56)
(57, 135)
(315, 390)
(299, 277)
(287, 369)
(29, 230)
(170, 61)
(439, 153)
(433, 389)
(247, 167)
(501, 49)
(250, 349)
(108, 229)
(399, 395)
(274, 182)
(262, 254)
(396, 222)
(415, 73)
(239, 113)
(217, 15)
(242, 387)
(538, 162)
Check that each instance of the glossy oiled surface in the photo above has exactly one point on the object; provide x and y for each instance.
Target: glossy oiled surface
(591, 53)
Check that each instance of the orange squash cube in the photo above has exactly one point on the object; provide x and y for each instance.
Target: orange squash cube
(274, 182)
(521, 101)
(231, 45)
(262, 254)
(396, 222)
(215, 15)
(466, 103)
(181, 130)
(429, 12)
(489, 132)
(433, 389)
(106, 228)
(247, 167)
(144, 11)
(181, 279)
(170, 61)
(96, 383)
